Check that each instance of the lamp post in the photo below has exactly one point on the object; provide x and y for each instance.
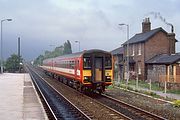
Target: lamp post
(2, 43)
(127, 51)
(78, 43)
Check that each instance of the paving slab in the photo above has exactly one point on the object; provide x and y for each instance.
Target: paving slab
(18, 98)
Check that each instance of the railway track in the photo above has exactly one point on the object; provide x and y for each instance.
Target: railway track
(89, 106)
(56, 105)
(118, 107)
(131, 111)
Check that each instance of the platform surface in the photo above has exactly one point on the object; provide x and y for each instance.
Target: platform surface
(18, 98)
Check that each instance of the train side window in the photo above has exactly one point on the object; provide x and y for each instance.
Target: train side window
(78, 64)
(72, 64)
(68, 64)
(108, 62)
(63, 64)
(87, 63)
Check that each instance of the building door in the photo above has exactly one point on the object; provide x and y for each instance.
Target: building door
(98, 68)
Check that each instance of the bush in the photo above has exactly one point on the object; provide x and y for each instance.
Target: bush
(130, 88)
(13, 63)
(136, 90)
(110, 87)
(150, 93)
(176, 103)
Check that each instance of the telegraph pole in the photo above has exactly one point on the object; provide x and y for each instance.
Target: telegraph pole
(19, 53)
(19, 48)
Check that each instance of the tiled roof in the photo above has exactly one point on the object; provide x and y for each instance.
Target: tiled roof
(164, 59)
(119, 50)
(142, 37)
(178, 53)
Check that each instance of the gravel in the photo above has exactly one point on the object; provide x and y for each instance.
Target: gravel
(89, 105)
(155, 106)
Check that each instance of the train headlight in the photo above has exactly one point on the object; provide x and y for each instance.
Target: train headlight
(87, 79)
(108, 78)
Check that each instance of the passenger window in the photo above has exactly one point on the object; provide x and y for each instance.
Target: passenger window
(73, 65)
(87, 63)
(108, 62)
(78, 64)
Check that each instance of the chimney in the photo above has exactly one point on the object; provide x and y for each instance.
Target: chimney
(146, 25)
(172, 42)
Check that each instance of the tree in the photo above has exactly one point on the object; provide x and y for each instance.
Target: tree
(58, 51)
(67, 48)
(13, 63)
(39, 60)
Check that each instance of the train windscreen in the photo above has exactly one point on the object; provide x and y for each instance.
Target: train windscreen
(108, 63)
(87, 63)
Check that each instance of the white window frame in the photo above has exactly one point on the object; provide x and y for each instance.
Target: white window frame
(133, 50)
(127, 51)
(139, 68)
(139, 49)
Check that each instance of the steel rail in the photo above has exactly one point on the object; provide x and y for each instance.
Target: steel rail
(45, 102)
(135, 108)
(86, 116)
(115, 111)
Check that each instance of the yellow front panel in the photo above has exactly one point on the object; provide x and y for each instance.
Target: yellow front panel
(86, 72)
(108, 73)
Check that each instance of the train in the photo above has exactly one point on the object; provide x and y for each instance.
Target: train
(89, 70)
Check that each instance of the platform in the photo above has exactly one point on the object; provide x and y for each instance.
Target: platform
(18, 98)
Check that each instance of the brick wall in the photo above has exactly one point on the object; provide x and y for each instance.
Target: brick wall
(159, 44)
(156, 73)
(171, 37)
(170, 86)
(139, 59)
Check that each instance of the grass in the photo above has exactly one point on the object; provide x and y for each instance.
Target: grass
(176, 103)
(110, 87)
(174, 91)
(144, 85)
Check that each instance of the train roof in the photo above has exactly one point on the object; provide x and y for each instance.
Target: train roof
(79, 54)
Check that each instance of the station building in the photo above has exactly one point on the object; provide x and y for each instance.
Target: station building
(145, 47)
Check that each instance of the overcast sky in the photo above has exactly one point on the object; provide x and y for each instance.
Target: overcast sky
(41, 23)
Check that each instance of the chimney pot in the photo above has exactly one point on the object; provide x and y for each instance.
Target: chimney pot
(146, 25)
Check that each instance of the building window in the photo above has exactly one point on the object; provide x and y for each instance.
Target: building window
(139, 68)
(133, 50)
(139, 49)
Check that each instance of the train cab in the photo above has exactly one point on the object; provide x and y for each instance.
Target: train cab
(97, 69)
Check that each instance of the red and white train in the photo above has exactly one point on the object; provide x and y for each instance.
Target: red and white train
(88, 70)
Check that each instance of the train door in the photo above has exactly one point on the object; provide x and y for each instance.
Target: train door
(98, 62)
